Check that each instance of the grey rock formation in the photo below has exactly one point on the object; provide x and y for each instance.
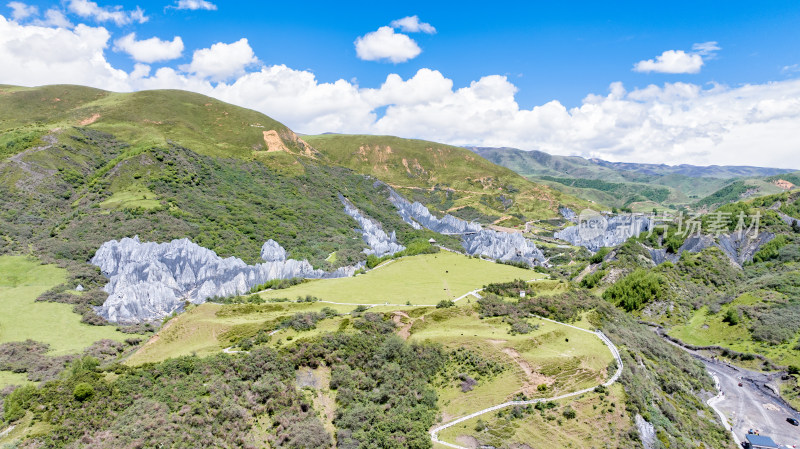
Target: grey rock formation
(661, 255)
(602, 231)
(380, 244)
(272, 251)
(647, 432)
(148, 281)
(568, 214)
(739, 247)
(503, 246)
(418, 216)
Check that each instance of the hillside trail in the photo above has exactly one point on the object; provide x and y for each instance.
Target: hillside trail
(613, 379)
(33, 176)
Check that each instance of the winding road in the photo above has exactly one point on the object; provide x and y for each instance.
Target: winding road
(614, 351)
(754, 405)
(751, 406)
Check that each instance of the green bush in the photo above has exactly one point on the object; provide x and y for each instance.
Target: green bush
(83, 391)
(599, 255)
(16, 403)
(444, 304)
(771, 250)
(635, 290)
(593, 280)
(731, 317)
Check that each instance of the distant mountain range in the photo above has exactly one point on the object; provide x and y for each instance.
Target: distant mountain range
(640, 186)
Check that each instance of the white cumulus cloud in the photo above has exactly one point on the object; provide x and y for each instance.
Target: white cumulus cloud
(679, 61)
(150, 50)
(385, 44)
(91, 10)
(195, 5)
(411, 24)
(671, 123)
(21, 11)
(222, 61)
(53, 18)
(34, 55)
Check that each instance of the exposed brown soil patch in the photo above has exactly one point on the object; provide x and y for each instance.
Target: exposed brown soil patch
(533, 378)
(90, 120)
(274, 142)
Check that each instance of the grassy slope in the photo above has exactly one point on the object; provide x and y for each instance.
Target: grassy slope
(562, 365)
(474, 181)
(202, 330)
(596, 421)
(753, 187)
(22, 280)
(706, 329)
(425, 279)
(208, 126)
(418, 279)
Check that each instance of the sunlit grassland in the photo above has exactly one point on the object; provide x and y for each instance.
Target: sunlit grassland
(418, 280)
(22, 280)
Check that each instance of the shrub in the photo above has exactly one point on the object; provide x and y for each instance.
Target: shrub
(83, 391)
(444, 304)
(569, 413)
(600, 255)
(771, 250)
(635, 290)
(593, 280)
(731, 316)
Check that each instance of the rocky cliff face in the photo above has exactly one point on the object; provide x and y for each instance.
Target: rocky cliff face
(475, 240)
(418, 216)
(380, 244)
(739, 247)
(602, 231)
(504, 246)
(148, 281)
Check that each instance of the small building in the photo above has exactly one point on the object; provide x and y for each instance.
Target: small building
(432, 241)
(760, 442)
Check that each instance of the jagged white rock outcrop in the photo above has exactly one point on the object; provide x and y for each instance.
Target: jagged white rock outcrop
(568, 214)
(380, 244)
(418, 216)
(601, 231)
(148, 281)
(503, 246)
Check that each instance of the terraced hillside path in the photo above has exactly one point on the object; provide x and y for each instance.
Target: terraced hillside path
(614, 351)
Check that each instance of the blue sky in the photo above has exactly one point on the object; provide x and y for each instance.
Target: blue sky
(545, 52)
(552, 50)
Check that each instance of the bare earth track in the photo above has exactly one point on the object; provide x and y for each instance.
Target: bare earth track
(435, 431)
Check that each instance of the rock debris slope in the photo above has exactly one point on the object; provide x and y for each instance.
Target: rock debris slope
(739, 247)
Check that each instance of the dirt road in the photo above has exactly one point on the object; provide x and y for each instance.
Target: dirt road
(751, 406)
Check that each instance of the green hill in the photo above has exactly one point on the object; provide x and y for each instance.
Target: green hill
(82, 166)
(445, 177)
(626, 185)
